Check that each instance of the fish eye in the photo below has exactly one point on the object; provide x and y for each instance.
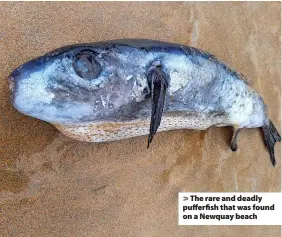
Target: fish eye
(86, 66)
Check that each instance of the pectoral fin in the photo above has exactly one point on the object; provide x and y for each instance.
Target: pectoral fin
(159, 85)
(234, 141)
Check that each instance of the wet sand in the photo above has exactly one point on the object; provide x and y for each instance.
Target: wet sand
(51, 185)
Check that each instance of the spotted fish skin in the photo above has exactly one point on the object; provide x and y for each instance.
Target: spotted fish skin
(80, 87)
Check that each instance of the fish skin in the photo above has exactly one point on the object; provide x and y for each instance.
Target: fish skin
(110, 100)
(198, 82)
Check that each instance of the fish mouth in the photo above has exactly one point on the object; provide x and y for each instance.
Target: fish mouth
(22, 73)
(12, 78)
(12, 86)
(11, 81)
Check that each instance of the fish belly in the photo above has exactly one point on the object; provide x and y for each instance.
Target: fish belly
(112, 131)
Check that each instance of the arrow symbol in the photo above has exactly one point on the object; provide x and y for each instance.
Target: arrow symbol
(185, 198)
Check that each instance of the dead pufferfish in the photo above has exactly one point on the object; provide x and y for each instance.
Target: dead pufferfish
(105, 91)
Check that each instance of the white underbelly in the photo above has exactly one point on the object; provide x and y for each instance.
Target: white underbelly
(112, 131)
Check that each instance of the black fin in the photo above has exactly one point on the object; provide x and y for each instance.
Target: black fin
(234, 144)
(158, 92)
(271, 136)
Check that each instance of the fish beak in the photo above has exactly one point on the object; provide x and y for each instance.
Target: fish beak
(21, 73)
(12, 85)
(11, 81)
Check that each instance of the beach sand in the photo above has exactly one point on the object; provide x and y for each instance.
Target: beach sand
(51, 185)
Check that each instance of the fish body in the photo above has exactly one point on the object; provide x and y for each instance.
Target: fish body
(108, 90)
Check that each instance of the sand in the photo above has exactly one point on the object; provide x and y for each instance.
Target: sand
(51, 185)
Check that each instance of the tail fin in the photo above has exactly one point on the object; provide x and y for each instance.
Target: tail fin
(271, 136)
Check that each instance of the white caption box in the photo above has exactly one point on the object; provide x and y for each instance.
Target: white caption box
(230, 209)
